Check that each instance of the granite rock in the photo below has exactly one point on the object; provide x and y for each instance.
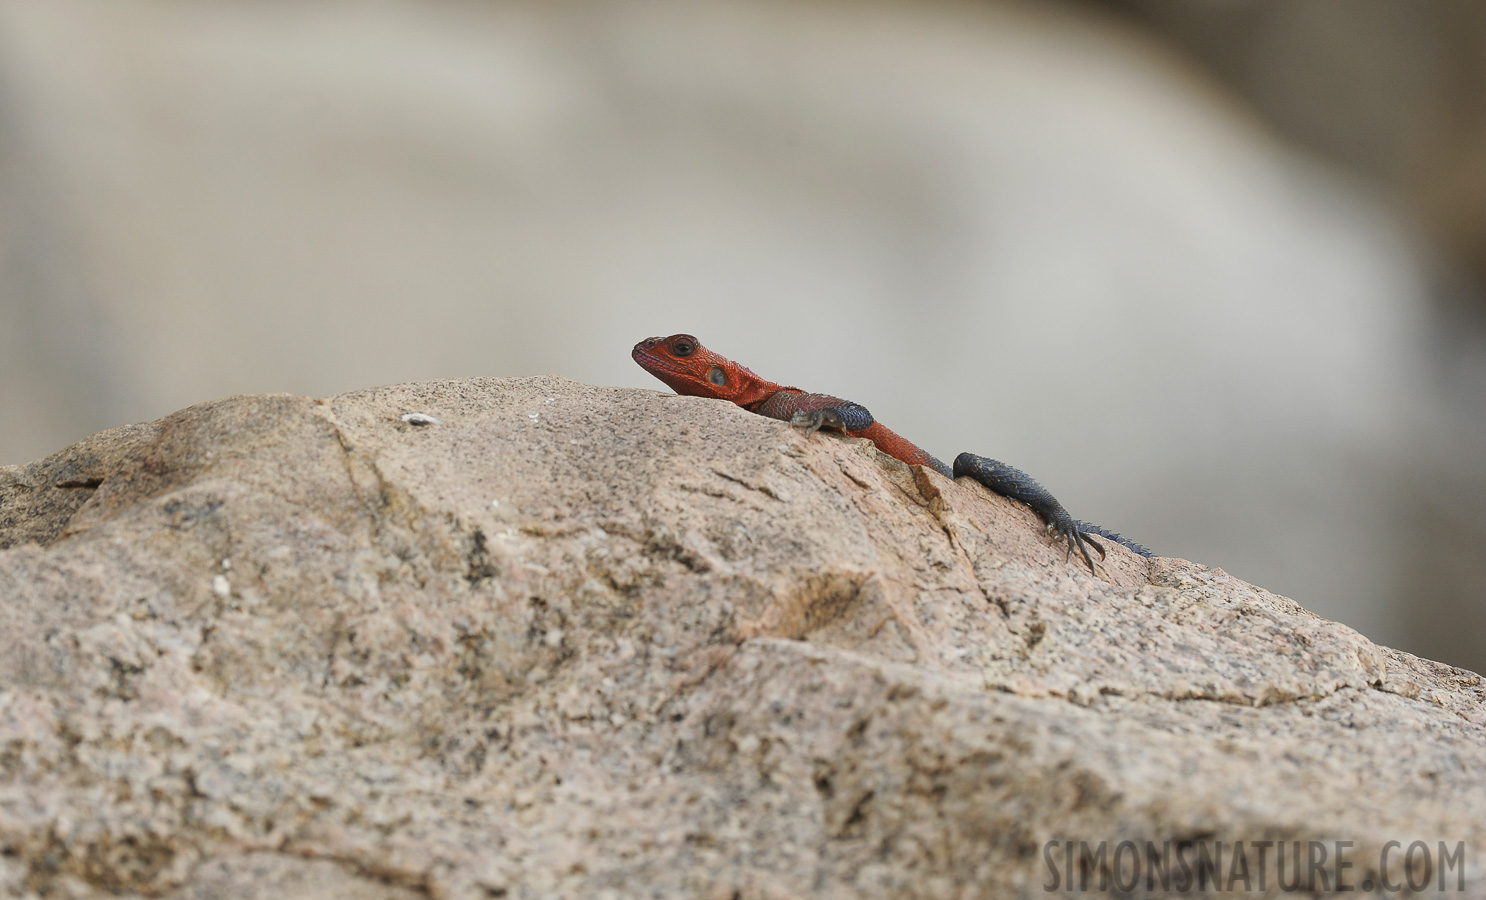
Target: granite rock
(567, 641)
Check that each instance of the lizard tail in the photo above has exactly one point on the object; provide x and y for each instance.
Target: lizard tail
(1116, 537)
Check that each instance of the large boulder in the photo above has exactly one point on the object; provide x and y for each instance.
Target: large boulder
(1025, 230)
(533, 638)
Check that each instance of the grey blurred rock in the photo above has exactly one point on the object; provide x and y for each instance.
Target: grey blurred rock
(1393, 89)
(578, 642)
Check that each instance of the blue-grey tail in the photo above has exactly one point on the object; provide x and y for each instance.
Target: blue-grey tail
(1115, 536)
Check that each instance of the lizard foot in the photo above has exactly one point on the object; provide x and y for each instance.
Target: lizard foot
(816, 420)
(1071, 531)
(844, 416)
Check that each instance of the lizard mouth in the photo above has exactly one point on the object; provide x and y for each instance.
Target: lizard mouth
(644, 354)
(676, 374)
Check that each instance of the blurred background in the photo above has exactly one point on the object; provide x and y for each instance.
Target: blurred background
(1210, 269)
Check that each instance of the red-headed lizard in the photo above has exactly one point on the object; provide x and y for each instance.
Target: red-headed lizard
(689, 368)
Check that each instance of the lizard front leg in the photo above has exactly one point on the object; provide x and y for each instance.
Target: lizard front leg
(816, 411)
(846, 417)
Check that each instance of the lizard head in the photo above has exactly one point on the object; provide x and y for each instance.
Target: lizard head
(689, 368)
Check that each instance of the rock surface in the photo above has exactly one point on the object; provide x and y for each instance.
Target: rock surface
(585, 642)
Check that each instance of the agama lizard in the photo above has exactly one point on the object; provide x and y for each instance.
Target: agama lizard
(689, 368)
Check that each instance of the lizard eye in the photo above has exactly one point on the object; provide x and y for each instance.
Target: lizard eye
(717, 376)
(683, 348)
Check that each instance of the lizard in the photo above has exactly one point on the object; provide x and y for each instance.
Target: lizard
(691, 369)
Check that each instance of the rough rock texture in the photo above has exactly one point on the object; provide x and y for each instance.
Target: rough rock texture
(586, 642)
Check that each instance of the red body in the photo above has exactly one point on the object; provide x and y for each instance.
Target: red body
(689, 368)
